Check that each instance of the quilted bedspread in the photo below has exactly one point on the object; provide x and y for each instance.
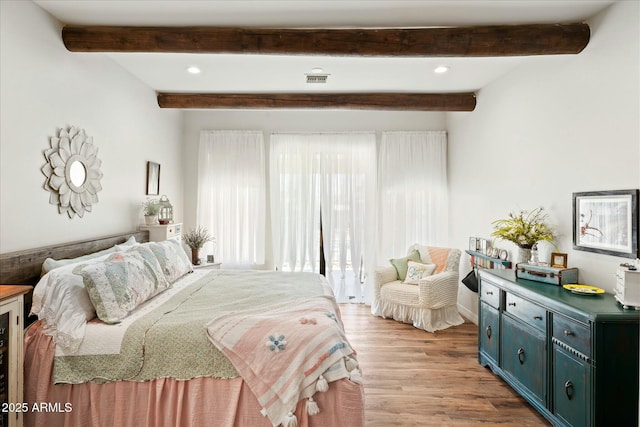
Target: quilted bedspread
(171, 341)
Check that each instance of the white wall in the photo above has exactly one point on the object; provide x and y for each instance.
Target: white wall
(289, 121)
(44, 87)
(566, 124)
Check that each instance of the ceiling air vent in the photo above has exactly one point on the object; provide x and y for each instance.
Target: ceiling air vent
(317, 75)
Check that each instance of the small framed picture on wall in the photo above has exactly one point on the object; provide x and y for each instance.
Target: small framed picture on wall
(153, 179)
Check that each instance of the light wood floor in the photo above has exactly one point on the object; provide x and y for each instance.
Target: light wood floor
(416, 378)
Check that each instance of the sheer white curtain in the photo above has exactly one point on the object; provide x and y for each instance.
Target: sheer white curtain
(232, 194)
(412, 191)
(332, 175)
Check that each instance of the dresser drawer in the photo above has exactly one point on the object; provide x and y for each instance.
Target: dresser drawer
(523, 356)
(490, 294)
(530, 313)
(489, 332)
(575, 335)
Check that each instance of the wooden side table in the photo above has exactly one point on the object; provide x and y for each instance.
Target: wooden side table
(11, 335)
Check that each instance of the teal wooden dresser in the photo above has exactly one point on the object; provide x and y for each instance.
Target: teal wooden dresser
(574, 358)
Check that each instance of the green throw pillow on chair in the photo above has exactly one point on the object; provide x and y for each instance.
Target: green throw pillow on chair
(400, 264)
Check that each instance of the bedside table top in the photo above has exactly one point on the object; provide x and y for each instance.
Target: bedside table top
(8, 291)
(207, 265)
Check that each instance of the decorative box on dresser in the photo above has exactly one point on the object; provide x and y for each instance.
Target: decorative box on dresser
(573, 357)
(160, 232)
(11, 333)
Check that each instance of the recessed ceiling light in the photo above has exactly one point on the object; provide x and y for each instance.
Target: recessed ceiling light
(441, 69)
(193, 70)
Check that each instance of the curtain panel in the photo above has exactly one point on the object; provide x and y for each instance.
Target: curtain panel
(412, 191)
(329, 177)
(232, 194)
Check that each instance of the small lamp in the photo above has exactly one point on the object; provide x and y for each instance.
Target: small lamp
(165, 216)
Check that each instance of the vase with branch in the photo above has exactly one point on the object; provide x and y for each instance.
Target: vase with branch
(195, 239)
(526, 229)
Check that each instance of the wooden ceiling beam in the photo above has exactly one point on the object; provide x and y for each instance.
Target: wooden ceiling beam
(479, 41)
(356, 101)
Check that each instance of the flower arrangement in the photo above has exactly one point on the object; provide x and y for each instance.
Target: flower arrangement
(524, 229)
(197, 237)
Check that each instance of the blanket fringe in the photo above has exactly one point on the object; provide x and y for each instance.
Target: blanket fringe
(356, 376)
(290, 420)
(312, 407)
(350, 363)
(322, 385)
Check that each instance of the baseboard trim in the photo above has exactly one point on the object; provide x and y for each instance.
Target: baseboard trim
(467, 314)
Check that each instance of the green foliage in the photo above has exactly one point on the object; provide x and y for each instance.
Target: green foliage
(197, 237)
(524, 229)
(151, 207)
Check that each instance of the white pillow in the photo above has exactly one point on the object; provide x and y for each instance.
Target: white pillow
(51, 264)
(61, 301)
(417, 271)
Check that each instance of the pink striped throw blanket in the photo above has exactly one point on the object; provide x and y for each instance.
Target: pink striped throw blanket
(286, 352)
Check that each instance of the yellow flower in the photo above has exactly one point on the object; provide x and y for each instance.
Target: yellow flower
(524, 229)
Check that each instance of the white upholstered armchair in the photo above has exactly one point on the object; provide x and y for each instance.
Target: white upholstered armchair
(413, 291)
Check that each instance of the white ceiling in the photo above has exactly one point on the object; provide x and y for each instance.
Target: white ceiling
(278, 73)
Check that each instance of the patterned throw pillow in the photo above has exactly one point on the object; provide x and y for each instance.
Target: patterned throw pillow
(122, 282)
(400, 264)
(173, 260)
(417, 271)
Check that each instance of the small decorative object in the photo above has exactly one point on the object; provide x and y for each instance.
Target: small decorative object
(150, 209)
(483, 246)
(195, 239)
(472, 243)
(73, 172)
(525, 230)
(153, 179)
(165, 216)
(534, 255)
(606, 222)
(558, 260)
(503, 254)
(495, 252)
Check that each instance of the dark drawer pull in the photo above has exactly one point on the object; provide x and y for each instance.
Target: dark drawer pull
(489, 293)
(568, 389)
(513, 304)
(537, 317)
(567, 333)
(489, 331)
(521, 355)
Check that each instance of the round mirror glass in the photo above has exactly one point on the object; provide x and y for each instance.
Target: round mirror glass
(77, 173)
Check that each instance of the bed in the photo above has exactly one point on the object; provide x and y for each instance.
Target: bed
(215, 347)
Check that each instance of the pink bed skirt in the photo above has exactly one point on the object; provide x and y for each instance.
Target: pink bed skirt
(164, 402)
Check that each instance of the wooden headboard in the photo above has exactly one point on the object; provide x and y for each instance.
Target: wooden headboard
(23, 267)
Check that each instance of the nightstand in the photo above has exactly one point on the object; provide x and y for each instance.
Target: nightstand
(11, 335)
(160, 232)
(208, 265)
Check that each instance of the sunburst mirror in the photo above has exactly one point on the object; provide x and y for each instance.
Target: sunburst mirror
(72, 171)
